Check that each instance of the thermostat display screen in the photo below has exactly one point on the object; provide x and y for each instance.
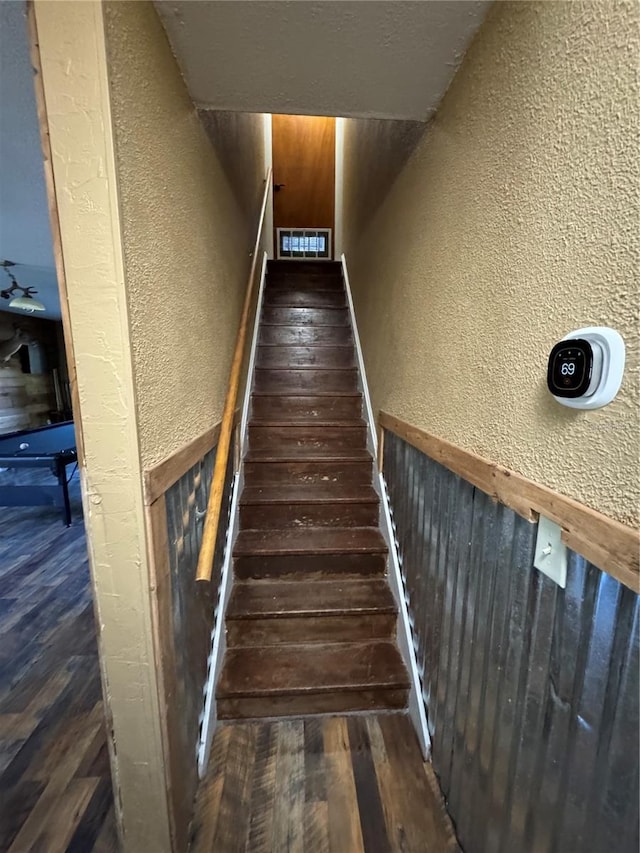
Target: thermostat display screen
(570, 366)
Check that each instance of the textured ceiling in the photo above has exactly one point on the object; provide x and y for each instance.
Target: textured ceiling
(355, 58)
(24, 219)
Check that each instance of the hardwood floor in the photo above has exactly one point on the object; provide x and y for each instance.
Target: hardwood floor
(55, 784)
(320, 785)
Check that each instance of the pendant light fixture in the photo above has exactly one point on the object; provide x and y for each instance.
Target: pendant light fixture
(22, 299)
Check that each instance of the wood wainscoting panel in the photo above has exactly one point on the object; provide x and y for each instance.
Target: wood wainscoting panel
(175, 760)
(605, 542)
(163, 475)
(502, 650)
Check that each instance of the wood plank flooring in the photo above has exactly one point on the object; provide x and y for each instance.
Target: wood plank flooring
(353, 784)
(55, 783)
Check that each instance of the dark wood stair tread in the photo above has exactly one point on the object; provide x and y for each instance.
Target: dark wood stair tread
(298, 439)
(297, 367)
(306, 380)
(305, 454)
(304, 286)
(306, 421)
(269, 471)
(312, 280)
(310, 540)
(307, 395)
(345, 345)
(294, 368)
(313, 493)
(300, 298)
(274, 315)
(290, 356)
(283, 335)
(279, 392)
(304, 266)
(273, 599)
(311, 668)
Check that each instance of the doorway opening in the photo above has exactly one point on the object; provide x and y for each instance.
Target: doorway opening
(305, 209)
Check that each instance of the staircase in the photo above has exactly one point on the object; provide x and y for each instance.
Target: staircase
(311, 620)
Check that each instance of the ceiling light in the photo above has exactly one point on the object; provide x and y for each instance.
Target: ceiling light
(23, 300)
(27, 303)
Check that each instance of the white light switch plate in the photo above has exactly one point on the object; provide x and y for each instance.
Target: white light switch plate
(551, 552)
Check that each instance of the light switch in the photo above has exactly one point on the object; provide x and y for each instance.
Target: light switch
(551, 552)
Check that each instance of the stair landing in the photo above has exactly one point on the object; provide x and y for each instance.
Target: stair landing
(311, 623)
(339, 784)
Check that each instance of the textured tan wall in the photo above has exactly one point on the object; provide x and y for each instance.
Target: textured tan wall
(476, 243)
(189, 210)
(72, 48)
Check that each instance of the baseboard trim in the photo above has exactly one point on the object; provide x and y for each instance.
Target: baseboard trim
(372, 440)
(605, 542)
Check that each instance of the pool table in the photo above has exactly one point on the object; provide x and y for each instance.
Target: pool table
(52, 447)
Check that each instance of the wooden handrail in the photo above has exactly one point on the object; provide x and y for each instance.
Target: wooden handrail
(212, 518)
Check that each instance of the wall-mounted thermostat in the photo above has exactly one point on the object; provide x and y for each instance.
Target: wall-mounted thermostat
(585, 368)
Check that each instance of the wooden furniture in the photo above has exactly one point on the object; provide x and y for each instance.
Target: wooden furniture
(52, 447)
